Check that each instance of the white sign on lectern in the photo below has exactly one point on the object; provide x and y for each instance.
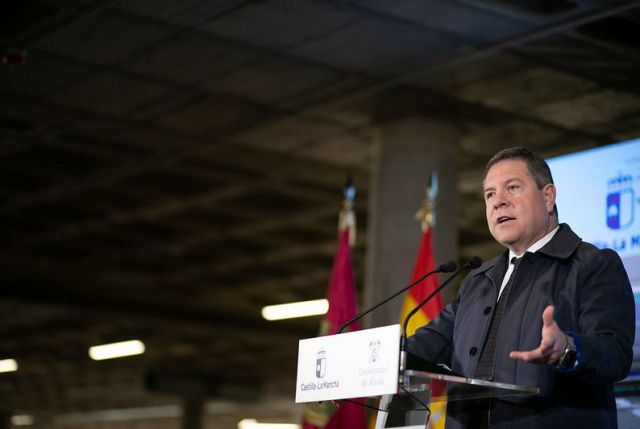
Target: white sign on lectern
(351, 365)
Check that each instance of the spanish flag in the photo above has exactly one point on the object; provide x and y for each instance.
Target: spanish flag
(425, 262)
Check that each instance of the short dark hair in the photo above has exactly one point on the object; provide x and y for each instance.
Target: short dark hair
(536, 165)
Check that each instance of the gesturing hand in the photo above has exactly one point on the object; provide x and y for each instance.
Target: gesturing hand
(552, 345)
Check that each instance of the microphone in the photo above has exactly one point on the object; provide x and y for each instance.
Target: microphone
(444, 268)
(472, 263)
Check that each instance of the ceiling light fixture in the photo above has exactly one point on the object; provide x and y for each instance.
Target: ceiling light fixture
(116, 350)
(22, 420)
(8, 365)
(253, 424)
(295, 309)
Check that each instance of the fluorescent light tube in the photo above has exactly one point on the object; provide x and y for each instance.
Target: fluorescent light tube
(21, 420)
(8, 365)
(253, 424)
(116, 350)
(295, 309)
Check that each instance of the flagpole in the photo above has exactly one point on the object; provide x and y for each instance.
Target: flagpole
(342, 306)
(425, 262)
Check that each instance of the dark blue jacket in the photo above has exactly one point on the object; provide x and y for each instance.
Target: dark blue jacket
(593, 300)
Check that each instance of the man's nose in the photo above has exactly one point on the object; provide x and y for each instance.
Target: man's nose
(500, 200)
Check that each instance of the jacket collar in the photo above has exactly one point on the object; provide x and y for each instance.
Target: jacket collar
(561, 246)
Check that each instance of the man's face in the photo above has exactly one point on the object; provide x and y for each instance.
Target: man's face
(517, 211)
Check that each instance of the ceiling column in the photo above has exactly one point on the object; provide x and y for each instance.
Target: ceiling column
(407, 150)
(192, 412)
(5, 418)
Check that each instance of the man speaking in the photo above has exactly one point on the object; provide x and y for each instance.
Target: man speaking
(552, 311)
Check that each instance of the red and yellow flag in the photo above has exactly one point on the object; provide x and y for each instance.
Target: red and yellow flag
(425, 262)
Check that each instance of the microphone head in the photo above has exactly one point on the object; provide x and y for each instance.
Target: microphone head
(474, 262)
(448, 267)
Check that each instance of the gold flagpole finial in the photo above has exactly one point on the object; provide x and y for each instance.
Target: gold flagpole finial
(347, 219)
(427, 214)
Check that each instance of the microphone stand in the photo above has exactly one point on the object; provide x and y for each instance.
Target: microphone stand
(444, 268)
(472, 263)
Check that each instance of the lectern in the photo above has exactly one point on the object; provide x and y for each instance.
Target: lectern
(367, 364)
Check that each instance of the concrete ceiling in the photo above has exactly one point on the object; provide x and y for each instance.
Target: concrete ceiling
(169, 167)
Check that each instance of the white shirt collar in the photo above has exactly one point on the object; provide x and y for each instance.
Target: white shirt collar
(537, 245)
(532, 249)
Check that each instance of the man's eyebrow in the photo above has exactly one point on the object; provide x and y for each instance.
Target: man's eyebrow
(505, 183)
(515, 179)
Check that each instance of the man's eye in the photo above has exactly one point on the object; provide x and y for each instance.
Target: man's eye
(513, 187)
(489, 195)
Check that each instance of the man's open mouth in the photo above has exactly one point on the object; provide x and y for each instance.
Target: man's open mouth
(503, 219)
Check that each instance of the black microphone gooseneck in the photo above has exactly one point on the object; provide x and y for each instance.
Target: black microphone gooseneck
(444, 268)
(472, 263)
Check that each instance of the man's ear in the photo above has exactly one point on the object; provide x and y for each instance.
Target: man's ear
(549, 192)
